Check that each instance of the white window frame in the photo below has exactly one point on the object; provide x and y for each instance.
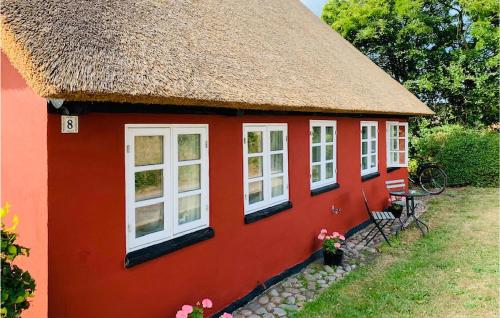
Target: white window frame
(374, 169)
(390, 124)
(268, 201)
(323, 161)
(170, 182)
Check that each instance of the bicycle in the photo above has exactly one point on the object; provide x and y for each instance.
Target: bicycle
(430, 177)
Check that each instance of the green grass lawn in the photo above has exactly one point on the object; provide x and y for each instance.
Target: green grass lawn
(451, 272)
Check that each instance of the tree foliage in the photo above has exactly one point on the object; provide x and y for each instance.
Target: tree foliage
(443, 51)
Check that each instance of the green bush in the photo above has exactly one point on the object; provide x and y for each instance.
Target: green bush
(469, 156)
(17, 285)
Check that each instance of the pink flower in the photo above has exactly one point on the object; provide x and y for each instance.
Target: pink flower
(187, 309)
(323, 231)
(342, 237)
(321, 236)
(206, 303)
(337, 245)
(226, 315)
(335, 234)
(181, 314)
(328, 237)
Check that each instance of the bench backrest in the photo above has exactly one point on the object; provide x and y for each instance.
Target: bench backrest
(395, 185)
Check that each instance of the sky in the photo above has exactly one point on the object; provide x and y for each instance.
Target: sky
(315, 6)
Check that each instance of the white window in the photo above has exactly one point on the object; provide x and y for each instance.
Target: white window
(369, 147)
(323, 153)
(265, 165)
(166, 182)
(397, 144)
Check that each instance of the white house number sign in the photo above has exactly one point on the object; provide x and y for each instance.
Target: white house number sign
(69, 124)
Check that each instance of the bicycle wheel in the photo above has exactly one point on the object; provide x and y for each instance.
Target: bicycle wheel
(432, 179)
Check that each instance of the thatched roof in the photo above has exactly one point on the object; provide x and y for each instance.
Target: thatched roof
(253, 54)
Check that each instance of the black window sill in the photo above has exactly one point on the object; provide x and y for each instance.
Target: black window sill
(255, 216)
(151, 252)
(324, 189)
(370, 176)
(391, 169)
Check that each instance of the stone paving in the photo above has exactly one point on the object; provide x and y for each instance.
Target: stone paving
(292, 293)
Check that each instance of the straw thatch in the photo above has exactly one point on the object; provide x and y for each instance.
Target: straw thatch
(254, 54)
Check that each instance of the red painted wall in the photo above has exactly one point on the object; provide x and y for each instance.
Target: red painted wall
(87, 218)
(24, 174)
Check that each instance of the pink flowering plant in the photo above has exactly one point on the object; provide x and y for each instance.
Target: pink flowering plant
(331, 243)
(188, 311)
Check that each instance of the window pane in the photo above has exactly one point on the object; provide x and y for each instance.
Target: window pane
(329, 152)
(374, 146)
(149, 219)
(402, 144)
(277, 163)
(402, 131)
(189, 208)
(394, 144)
(364, 132)
(276, 186)
(189, 178)
(402, 157)
(316, 135)
(254, 141)
(276, 140)
(373, 133)
(148, 184)
(316, 153)
(256, 192)
(364, 163)
(394, 131)
(373, 161)
(394, 157)
(329, 134)
(364, 147)
(148, 150)
(189, 147)
(316, 173)
(255, 167)
(329, 170)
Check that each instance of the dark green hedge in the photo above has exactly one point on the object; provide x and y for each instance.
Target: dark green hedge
(469, 156)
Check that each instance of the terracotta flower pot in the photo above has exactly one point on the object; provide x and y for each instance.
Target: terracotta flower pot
(333, 259)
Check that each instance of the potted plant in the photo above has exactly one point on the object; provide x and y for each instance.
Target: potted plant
(332, 252)
(394, 208)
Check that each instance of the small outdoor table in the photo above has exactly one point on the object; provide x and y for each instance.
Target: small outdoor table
(410, 206)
